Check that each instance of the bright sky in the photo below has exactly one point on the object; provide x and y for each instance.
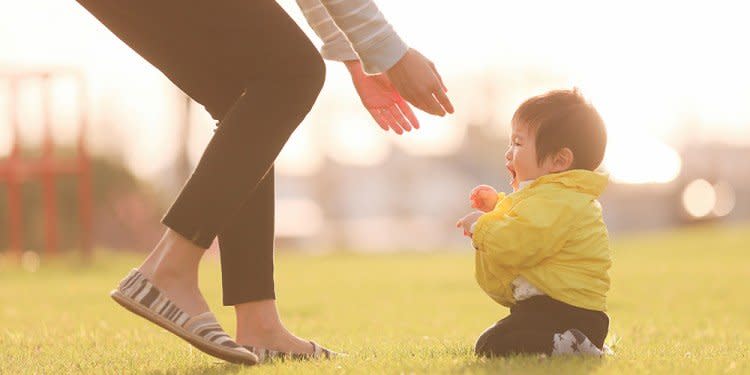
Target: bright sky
(661, 73)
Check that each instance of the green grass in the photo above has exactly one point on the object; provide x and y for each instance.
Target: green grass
(680, 303)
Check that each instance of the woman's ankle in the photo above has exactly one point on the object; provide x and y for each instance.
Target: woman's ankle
(177, 250)
(258, 316)
(174, 257)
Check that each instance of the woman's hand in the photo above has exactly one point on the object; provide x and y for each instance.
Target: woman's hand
(417, 80)
(483, 198)
(382, 100)
(466, 222)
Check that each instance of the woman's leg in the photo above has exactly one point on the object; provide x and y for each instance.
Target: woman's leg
(247, 246)
(246, 241)
(252, 67)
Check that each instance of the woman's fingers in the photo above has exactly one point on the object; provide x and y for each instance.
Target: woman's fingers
(390, 119)
(416, 80)
(375, 113)
(392, 122)
(434, 101)
(427, 102)
(399, 117)
(444, 101)
(440, 78)
(385, 120)
(413, 99)
(406, 110)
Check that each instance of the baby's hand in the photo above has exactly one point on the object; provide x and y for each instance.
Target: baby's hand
(483, 198)
(466, 222)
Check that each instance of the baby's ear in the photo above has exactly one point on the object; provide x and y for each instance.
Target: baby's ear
(563, 160)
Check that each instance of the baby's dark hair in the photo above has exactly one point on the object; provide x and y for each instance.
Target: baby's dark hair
(563, 118)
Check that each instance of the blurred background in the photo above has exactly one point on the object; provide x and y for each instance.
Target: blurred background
(670, 78)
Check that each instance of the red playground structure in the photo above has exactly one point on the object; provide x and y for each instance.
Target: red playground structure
(16, 169)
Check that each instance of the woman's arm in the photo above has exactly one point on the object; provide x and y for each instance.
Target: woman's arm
(374, 41)
(335, 45)
(354, 26)
(378, 95)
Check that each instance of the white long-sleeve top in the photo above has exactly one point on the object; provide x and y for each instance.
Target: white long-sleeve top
(354, 29)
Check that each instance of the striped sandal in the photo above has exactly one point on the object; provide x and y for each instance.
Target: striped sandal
(319, 352)
(140, 296)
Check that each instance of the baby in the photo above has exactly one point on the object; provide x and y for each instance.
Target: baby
(543, 250)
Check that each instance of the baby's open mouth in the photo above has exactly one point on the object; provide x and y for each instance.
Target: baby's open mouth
(512, 174)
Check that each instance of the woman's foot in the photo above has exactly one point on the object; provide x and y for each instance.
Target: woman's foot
(173, 267)
(138, 295)
(319, 352)
(259, 326)
(280, 340)
(165, 291)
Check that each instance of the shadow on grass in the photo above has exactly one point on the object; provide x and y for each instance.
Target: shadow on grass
(215, 368)
(529, 364)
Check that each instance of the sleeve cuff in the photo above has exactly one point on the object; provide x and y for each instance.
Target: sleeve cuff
(338, 52)
(478, 230)
(382, 55)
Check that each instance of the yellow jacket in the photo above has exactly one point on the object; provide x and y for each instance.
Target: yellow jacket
(552, 233)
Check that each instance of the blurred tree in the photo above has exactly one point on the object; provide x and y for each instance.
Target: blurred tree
(125, 211)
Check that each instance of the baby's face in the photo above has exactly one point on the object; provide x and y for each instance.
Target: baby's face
(521, 159)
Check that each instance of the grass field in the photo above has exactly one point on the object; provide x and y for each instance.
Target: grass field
(680, 303)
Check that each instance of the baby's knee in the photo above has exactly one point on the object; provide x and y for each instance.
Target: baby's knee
(482, 347)
(496, 342)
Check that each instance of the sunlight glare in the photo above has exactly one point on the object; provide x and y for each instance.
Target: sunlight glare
(641, 160)
(725, 199)
(300, 156)
(436, 136)
(298, 218)
(353, 138)
(699, 198)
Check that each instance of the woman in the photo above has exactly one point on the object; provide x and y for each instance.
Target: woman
(256, 73)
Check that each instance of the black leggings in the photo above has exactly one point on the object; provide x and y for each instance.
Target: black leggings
(532, 324)
(255, 72)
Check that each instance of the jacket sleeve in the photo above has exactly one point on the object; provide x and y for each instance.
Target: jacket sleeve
(527, 234)
(335, 45)
(373, 39)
